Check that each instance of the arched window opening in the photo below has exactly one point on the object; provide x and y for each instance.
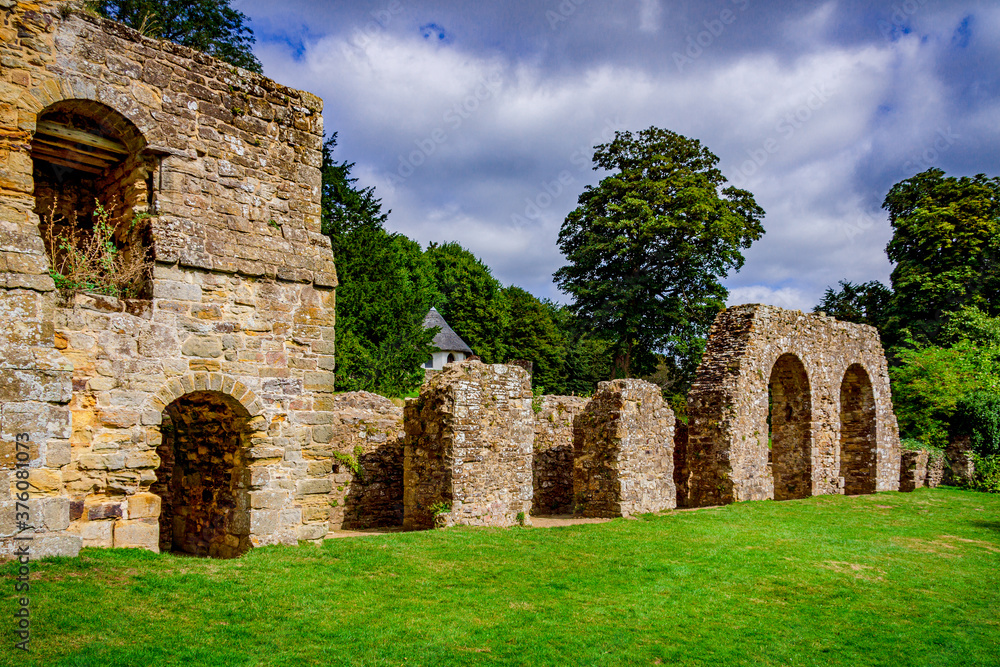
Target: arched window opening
(93, 194)
(790, 428)
(451, 358)
(858, 442)
(203, 477)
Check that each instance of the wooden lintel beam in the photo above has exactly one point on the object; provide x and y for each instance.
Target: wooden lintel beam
(76, 148)
(79, 136)
(72, 165)
(74, 156)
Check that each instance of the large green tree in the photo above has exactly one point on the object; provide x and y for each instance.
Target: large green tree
(386, 288)
(946, 248)
(648, 246)
(211, 26)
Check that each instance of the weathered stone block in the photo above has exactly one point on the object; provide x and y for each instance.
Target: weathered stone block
(913, 470)
(144, 506)
(95, 533)
(139, 534)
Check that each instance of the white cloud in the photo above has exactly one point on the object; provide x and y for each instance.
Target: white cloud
(649, 15)
(798, 131)
(786, 297)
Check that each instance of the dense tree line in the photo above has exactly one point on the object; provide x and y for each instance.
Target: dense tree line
(388, 284)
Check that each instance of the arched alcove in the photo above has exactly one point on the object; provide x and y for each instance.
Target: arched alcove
(858, 442)
(203, 478)
(86, 154)
(790, 428)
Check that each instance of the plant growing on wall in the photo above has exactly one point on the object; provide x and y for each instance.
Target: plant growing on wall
(109, 259)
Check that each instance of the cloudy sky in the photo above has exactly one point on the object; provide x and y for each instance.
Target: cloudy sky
(475, 121)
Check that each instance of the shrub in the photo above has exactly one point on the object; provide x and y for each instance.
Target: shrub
(914, 445)
(110, 259)
(987, 477)
(977, 415)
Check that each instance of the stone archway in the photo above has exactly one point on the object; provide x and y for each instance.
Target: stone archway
(88, 158)
(203, 478)
(858, 432)
(790, 428)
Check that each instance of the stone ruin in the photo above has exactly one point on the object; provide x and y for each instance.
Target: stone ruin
(552, 461)
(201, 417)
(468, 453)
(623, 451)
(788, 405)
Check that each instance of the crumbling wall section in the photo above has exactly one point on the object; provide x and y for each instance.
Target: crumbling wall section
(728, 453)
(552, 463)
(623, 451)
(355, 466)
(468, 449)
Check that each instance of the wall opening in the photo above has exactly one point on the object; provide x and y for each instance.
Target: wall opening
(85, 154)
(858, 443)
(203, 478)
(790, 421)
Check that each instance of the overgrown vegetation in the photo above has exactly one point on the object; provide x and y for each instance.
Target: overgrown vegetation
(885, 579)
(110, 258)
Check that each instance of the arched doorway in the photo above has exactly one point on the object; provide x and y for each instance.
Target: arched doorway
(203, 478)
(858, 443)
(87, 157)
(790, 428)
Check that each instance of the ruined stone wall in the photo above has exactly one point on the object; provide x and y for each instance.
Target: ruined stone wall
(623, 451)
(960, 467)
(552, 462)
(469, 447)
(241, 296)
(728, 453)
(365, 488)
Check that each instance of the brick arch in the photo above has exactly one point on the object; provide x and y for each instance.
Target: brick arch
(202, 381)
(727, 452)
(71, 88)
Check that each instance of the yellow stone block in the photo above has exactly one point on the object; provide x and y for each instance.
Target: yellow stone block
(144, 506)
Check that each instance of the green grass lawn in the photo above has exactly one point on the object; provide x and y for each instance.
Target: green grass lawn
(889, 579)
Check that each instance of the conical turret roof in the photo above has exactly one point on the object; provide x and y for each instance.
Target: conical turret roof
(446, 340)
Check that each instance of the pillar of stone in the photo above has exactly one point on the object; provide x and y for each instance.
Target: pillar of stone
(468, 448)
(912, 470)
(623, 451)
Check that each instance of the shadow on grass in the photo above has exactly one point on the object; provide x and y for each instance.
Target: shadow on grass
(988, 525)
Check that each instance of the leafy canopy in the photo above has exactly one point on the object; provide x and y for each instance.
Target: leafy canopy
(210, 26)
(648, 246)
(946, 247)
(929, 381)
